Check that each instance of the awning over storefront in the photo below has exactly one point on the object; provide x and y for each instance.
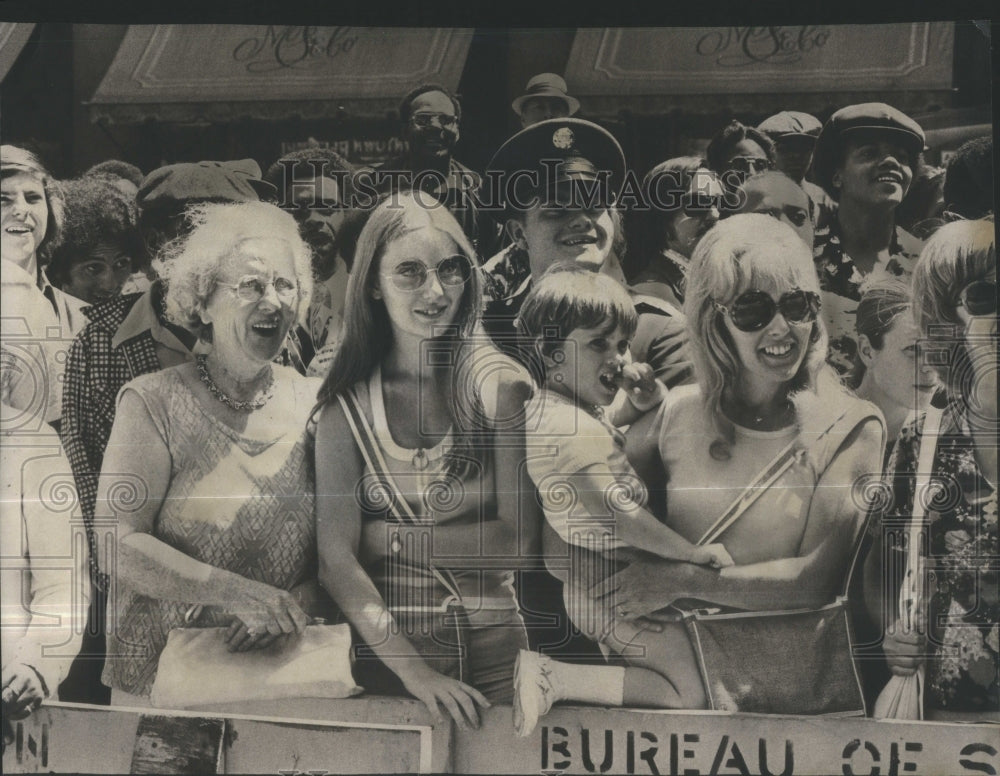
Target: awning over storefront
(188, 72)
(654, 70)
(948, 129)
(13, 36)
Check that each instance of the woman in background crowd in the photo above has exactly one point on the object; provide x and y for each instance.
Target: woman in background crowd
(31, 215)
(100, 243)
(954, 638)
(223, 522)
(686, 200)
(890, 370)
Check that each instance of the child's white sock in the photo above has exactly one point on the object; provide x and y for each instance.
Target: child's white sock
(601, 685)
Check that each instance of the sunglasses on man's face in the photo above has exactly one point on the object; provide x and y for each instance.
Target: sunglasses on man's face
(749, 164)
(412, 275)
(443, 120)
(979, 298)
(753, 310)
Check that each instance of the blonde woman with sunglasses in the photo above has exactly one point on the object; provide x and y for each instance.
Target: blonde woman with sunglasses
(763, 396)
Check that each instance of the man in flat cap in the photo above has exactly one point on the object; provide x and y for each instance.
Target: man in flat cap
(545, 97)
(794, 136)
(865, 159)
(130, 336)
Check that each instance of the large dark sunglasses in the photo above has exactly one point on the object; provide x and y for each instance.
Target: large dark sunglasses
(411, 275)
(979, 298)
(443, 120)
(753, 310)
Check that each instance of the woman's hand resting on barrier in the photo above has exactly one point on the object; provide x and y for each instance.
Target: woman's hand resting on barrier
(435, 690)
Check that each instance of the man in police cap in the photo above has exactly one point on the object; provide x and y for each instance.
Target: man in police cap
(557, 181)
(794, 136)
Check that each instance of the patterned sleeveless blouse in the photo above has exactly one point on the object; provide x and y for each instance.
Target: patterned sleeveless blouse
(235, 502)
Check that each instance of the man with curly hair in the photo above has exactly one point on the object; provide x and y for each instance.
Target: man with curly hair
(101, 243)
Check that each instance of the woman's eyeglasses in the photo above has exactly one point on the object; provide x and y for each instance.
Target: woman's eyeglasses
(753, 310)
(979, 298)
(411, 275)
(252, 288)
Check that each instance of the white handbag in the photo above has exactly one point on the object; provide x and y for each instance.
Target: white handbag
(196, 668)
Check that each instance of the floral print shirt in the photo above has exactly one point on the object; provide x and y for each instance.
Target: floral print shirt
(840, 283)
(962, 564)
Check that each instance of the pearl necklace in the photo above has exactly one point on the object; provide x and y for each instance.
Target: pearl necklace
(248, 405)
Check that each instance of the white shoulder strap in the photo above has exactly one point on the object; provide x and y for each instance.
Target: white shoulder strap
(909, 594)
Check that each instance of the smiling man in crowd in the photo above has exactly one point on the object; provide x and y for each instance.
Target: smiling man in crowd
(314, 185)
(430, 116)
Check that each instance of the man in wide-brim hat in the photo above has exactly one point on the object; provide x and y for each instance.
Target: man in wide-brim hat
(545, 97)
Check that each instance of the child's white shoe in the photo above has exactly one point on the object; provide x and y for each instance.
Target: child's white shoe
(533, 690)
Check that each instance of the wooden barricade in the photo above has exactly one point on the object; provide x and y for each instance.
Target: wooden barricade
(389, 735)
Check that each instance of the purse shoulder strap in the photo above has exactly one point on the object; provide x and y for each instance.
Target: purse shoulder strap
(910, 590)
(399, 508)
(764, 479)
(767, 476)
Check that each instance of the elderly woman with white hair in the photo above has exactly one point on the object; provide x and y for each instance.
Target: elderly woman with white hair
(207, 470)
